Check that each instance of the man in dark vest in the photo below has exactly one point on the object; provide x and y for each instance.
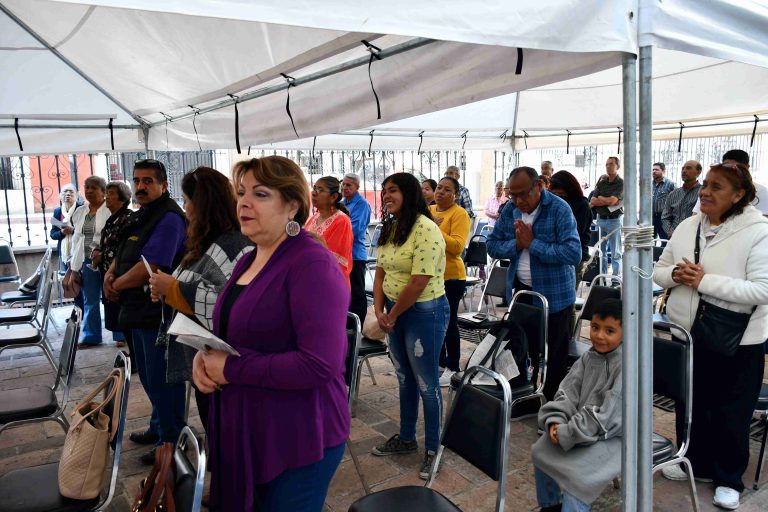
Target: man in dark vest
(156, 231)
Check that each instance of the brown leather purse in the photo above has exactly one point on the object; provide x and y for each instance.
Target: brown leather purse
(71, 283)
(156, 491)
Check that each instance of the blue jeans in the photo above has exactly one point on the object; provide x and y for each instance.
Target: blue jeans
(167, 399)
(91, 292)
(613, 243)
(301, 489)
(548, 494)
(414, 347)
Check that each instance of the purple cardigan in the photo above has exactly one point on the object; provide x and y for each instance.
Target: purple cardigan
(286, 400)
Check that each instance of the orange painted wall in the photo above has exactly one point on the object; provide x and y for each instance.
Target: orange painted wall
(50, 182)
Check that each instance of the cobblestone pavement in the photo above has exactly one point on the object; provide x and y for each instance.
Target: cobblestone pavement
(376, 418)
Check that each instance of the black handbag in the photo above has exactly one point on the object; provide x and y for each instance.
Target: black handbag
(717, 329)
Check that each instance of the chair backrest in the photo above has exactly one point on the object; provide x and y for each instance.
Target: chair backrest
(121, 361)
(477, 251)
(477, 429)
(190, 478)
(44, 299)
(479, 227)
(534, 320)
(375, 239)
(486, 230)
(496, 284)
(354, 337)
(597, 294)
(68, 353)
(673, 372)
(9, 270)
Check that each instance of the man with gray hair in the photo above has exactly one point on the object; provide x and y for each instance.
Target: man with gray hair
(360, 215)
(546, 168)
(462, 198)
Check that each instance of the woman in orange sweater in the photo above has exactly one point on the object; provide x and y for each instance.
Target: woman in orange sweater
(454, 225)
(331, 221)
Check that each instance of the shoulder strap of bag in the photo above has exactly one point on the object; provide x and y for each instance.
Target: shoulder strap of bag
(88, 398)
(164, 456)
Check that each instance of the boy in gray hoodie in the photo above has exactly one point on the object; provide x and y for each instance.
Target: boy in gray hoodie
(580, 452)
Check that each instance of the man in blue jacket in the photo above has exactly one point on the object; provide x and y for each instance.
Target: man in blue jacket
(539, 238)
(360, 215)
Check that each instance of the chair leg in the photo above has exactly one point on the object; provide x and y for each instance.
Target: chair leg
(358, 469)
(355, 392)
(762, 452)
(370, 371)
(692, 482)
(61, 420)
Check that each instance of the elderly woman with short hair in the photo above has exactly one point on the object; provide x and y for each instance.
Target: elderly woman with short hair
(62, 230)
(88, 221)
(118, 199)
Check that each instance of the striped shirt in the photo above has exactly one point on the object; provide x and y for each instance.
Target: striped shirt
(680, 203)
(661, 190)
(465, 201)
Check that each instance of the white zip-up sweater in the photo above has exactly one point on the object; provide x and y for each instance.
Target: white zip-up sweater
(735, 266)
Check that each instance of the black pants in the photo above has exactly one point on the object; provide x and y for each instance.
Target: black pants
(658, 231)
(359, 302)
(451, 351)
(558, 330)
(202, 406)
(725, 391)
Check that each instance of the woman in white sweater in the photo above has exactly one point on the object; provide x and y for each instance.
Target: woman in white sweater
(732, 273)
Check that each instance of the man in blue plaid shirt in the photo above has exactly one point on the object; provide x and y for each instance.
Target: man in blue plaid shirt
(462, 198)
(539, 238)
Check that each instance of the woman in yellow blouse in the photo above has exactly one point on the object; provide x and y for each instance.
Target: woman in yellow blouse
(409, 299)
(454, 225)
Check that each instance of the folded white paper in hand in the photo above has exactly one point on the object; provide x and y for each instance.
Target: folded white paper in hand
(58, 223)
(196, 336)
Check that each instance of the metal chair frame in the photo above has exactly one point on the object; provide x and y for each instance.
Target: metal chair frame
(679, 457)
(188, 435)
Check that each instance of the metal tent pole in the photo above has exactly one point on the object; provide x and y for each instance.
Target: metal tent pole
(629, 319)
(645, 294)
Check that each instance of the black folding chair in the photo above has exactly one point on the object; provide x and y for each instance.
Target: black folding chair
(9, 270)
(673, 378)
(483, 318)
(36, 489)
(19, 297)
(533, 318)
(40, 403)
(190, 478)
(18, 337)
(477, 430)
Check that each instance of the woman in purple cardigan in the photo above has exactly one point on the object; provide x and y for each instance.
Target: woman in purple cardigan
(279, 416)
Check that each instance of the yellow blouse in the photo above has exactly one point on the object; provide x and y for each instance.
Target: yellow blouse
(423, 253)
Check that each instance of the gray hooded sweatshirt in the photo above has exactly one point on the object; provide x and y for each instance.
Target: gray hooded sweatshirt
(587, 407)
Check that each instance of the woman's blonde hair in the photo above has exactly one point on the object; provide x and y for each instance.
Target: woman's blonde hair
(281, 174)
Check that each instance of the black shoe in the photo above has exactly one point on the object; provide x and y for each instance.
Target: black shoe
(502, 304)
(395, 446)
(426, 465)
(145, 437)
(553, 508)
(148, 459)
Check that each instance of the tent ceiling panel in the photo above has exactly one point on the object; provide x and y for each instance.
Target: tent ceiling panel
(725, 29)
(160, 61)
(408, 84)
(588, 26)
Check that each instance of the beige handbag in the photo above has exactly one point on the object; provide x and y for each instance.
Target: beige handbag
(371, 328)
(86, 447)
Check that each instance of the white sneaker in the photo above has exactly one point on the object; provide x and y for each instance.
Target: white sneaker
(725, 497)
(445, 378)
(674, 473)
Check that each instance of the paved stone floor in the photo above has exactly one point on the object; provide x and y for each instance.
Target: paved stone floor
(377, 416)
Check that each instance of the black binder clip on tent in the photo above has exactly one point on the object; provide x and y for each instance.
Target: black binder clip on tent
(237, 123)
(291, 83)
(375, 52)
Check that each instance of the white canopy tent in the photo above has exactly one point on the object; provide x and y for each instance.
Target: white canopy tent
(162, 72)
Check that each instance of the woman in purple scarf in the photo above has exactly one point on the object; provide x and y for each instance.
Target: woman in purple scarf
(279, 416)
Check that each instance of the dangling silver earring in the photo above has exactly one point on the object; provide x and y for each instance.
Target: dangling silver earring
(292, 228)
